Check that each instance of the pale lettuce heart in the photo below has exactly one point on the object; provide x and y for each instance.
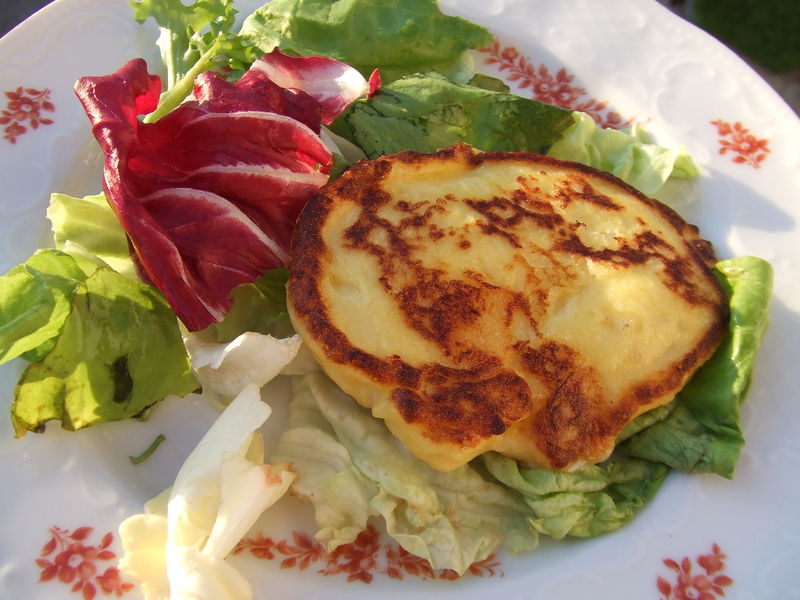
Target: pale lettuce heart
(629, 154)
(224, 370)
(351, 468)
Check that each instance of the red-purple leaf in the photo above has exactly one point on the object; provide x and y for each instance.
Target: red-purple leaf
(255, 91)
(334, 84)
(209, 194)
(374, 82)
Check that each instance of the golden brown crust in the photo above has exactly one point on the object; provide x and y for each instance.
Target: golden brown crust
(541, 390)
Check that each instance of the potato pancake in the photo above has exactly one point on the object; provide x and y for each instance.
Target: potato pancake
(501, 301)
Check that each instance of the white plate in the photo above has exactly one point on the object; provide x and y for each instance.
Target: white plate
(647, 65)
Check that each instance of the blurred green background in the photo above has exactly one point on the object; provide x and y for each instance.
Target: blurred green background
(765, 33)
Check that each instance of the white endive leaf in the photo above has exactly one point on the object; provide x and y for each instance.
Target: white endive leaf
(198, 576)
(178, 548)
(252, 358)
(144, 545)
(247, 491)
(195, 497)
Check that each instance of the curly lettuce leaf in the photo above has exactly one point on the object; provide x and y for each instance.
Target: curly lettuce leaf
(350, 467)
(88, 227)
(631, 154)
(425, 112)
(703, 434)
(593, 500)
(396, 36)
(90, 368)
(195, 37)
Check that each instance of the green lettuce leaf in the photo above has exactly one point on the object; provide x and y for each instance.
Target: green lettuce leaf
(350, 467)
(427, 111)
(195, 37)
(35, 300)
(259, 306)
(109, 346)
(397, 36)
(593, 500)
(88, 227)
(703, 434)
(631, 155)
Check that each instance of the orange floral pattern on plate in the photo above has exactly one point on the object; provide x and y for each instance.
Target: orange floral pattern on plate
(688, 583)
(68, 559)
(557, 88)
(744, 147)
(359, 560)
(24, 109)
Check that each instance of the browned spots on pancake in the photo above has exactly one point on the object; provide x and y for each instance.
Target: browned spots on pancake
(510, 213)
(437, 307)
(676, 272)
(573, 423)
(551, 361)
(466, 411)
(472, 395)
(435, 233)
(519, 304)
(573, 417)
(577, 189)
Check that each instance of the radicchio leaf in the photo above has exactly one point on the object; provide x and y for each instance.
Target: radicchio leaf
(209, 194)
(334, 84)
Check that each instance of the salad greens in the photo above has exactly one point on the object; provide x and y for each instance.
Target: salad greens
(35, 301)
(703, 433)
(259, 306)
(70, 310)
(631, 155)
(88, 227)
(398, 36)
(194, 38)
(149, 451)
(427, 111)
(440, 100)
(350, 467)
(584, 503)
(177, 547)
(74, 320)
